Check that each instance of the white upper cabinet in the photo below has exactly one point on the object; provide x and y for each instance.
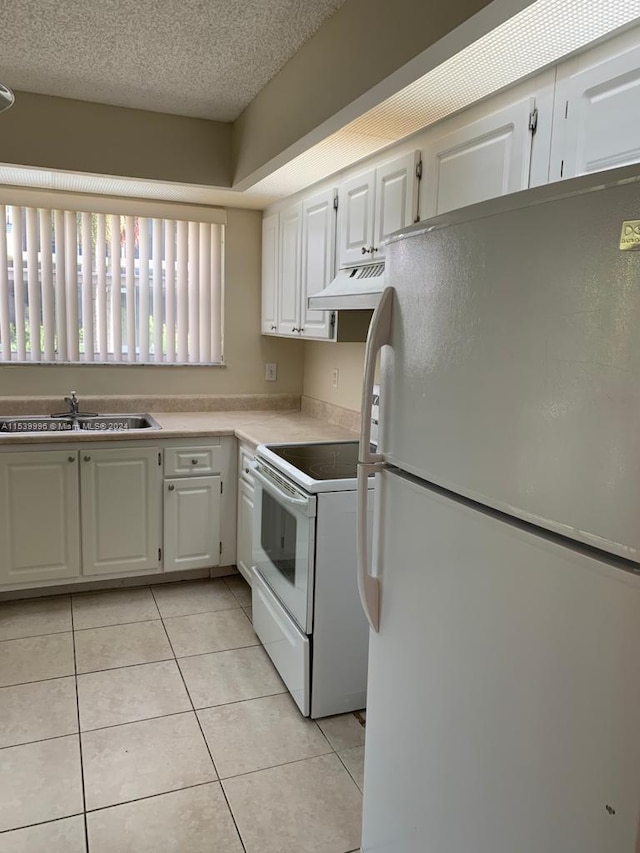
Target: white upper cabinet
(477, 161)
(597, 116)
(289, 266)
(270, 274)
(355, 200)
(373, 205)
(298, 260)
(396, 199)
(318, 260)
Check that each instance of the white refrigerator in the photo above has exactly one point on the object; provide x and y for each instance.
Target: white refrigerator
(503, 710)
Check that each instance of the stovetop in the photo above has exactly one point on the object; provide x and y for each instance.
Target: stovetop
(327, 461)
(315, 467)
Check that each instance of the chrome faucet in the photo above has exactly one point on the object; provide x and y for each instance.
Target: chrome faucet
(74, 405)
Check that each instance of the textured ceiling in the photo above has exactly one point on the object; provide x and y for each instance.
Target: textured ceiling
(201, 58)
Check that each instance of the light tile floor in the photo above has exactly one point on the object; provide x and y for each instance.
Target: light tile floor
(151, 720)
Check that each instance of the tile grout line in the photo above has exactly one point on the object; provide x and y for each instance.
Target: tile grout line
(40, 823)
(349, 771)
(283, 764)
(82, 781)
(206, 743)
(37, 740)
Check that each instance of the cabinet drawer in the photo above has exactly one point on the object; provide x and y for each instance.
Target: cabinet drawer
(186, 461)
(245, 458)
(283, 641)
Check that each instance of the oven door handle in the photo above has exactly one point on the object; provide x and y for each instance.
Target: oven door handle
(298, 503)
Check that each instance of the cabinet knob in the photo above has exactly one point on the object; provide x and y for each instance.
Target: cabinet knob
(295, 329)
(171, 487)
(246, 470)
(71, 459)
(87, 458)
(301, 329)
(194, 461)
(273, 328)
(364, 250)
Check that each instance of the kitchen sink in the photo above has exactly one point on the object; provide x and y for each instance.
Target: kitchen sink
(89, 423)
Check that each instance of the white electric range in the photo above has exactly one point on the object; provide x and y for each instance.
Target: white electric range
(306, 608)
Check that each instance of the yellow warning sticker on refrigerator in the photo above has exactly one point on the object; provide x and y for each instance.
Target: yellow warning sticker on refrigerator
(630, 235)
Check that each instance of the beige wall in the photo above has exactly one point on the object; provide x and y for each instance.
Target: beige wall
(246, 349)
(78, 136)
(320, 359)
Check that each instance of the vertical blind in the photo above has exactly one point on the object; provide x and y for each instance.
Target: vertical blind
(97, 287)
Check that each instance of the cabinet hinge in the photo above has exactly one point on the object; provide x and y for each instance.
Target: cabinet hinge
(335, 201)
(159, 458)
(159, 554)
(419, 170)
(533, 120)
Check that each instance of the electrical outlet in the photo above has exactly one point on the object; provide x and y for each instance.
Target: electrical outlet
(270, 371)
(334, 378)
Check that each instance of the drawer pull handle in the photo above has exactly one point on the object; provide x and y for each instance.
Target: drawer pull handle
(171, 487)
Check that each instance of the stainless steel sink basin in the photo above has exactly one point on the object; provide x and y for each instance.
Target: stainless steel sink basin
(94, 423)
(117, 423)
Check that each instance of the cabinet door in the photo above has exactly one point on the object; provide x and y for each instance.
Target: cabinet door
(269, 273)
(39, 516)
(396, 198)
(355, 215)
(484, 159)
(597, 124)
(318, 260)
(244, 556)
(289, 265)
(191, 523)
(120, 500)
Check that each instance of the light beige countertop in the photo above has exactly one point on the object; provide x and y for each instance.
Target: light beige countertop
(254, 427)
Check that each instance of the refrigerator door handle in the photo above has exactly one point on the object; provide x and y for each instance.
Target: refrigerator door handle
(368, 586)
(379, 335)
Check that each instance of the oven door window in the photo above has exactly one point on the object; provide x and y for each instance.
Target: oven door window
(283, 548)
(278, 537)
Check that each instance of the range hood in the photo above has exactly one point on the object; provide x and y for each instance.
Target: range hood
(352, 288)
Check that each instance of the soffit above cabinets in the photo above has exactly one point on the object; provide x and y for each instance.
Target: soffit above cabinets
(536, 37)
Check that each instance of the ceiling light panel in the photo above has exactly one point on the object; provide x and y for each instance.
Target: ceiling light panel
(536, 37)
(88, 184)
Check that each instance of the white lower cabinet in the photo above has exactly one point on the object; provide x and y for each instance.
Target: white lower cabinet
(244, 553)
(191, 523)
(244, 542)
(39, 518)
(120, 503)
(95, 512)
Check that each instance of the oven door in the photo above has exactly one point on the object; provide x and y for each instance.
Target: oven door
(284, 541)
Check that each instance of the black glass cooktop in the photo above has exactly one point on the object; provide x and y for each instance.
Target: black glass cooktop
(326, 461)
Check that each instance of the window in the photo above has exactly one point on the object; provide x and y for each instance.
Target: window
(79, 286)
